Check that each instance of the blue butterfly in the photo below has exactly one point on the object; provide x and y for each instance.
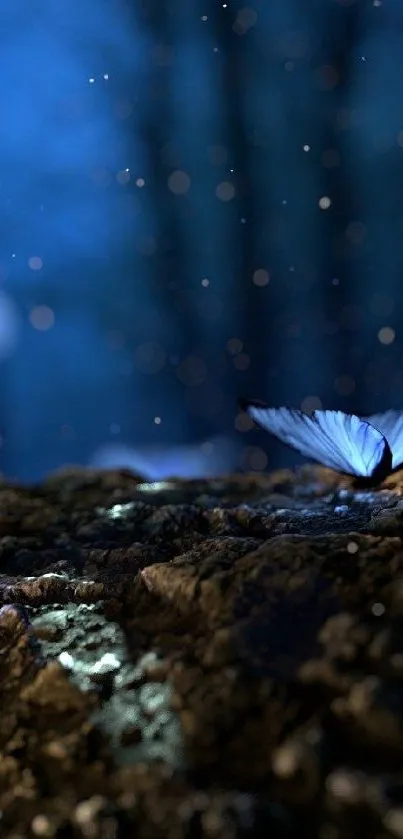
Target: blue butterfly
(370, 448)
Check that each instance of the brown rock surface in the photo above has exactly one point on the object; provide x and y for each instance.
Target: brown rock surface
(215, 659)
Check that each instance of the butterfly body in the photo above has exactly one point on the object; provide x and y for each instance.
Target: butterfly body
(369, 448)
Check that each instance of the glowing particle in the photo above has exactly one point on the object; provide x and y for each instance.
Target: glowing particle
(352, 548)
(91, 80)
(204, 17)
(140, 182)
(205, 282)
(378, 609)
(225, 191)
(35, 263)
(243, 220)
(157, 420)
(306, 148)
(179, 182)
(42, 826)
(261, 277)
(386, 335)
(324, 202)
(106, 76)
(42, 318)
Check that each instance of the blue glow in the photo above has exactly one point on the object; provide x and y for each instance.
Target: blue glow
(198, 199)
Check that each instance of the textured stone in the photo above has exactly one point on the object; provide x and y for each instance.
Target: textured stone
(201, 659)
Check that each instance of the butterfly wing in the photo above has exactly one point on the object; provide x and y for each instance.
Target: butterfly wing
(390, 424)
(343, 442)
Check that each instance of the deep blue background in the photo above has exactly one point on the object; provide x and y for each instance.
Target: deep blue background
(198, 200)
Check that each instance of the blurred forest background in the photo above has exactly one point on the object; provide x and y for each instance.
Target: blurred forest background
(200, 199)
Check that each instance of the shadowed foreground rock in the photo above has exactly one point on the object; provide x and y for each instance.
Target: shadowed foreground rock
(215, 659)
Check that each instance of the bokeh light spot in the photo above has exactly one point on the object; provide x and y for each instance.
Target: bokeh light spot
(42, 318)
(352, 548)
(225, 191)
(179, 182)
(245, 19)
(386, 335)
(325, 202)
(261, 277)
(35, 263)
(123, 177)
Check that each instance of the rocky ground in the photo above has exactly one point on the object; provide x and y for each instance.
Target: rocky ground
(215, 659)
